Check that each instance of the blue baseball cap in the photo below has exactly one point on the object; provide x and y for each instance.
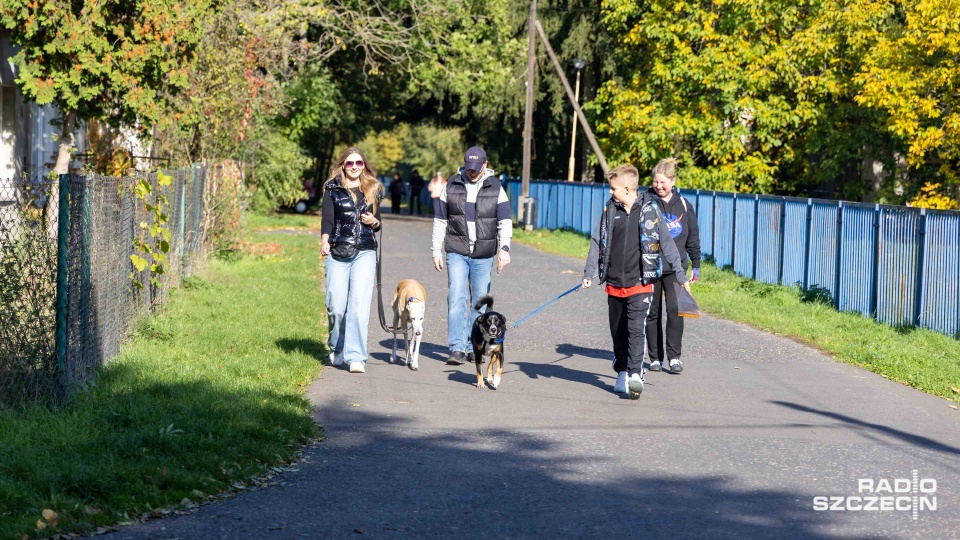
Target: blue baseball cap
(474, 159)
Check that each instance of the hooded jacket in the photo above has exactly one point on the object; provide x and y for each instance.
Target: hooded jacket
(682, 221)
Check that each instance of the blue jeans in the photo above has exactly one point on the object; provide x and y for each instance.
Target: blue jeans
(461, 271)
(349, 287)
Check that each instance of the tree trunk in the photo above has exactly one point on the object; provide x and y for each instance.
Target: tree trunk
(62, 167)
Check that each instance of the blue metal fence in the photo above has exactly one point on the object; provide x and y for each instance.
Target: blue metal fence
(898, 265)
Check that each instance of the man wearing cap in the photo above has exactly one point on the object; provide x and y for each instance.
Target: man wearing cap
(472, 223)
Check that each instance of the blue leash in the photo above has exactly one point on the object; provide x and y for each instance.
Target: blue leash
(578, 287)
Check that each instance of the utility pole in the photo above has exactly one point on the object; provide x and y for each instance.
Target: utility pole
(578, 64)
(576, 106)
(528, 112)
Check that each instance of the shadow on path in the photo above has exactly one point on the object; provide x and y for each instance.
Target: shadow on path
(860, 425)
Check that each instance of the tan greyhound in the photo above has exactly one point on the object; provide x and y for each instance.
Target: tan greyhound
(409, 307)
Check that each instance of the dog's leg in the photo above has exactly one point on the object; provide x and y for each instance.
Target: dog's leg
(478, 359)
(393, 355)
(489, 379)
(406, 345)
(416, 353)
(496, 378)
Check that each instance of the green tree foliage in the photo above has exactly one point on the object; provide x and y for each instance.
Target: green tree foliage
(117, 61)
(912, 75)
(782, 96)
(276, 176)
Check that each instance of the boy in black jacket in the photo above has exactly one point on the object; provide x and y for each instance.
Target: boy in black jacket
(682, 222)
(626, 252)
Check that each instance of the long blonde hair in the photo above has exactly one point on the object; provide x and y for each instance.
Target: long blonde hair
(369, 185)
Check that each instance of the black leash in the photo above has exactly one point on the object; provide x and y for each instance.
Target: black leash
(383, 319)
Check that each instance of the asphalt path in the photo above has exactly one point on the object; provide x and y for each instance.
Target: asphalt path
(737, 446)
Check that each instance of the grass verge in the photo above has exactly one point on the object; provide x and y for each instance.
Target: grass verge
(270, 222)
(926, 360)
(205, 396)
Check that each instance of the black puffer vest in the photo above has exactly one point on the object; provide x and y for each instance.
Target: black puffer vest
(651, 259)
(457, 239)
(347, 227)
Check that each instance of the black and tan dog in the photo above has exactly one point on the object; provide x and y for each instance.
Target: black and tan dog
(487, 339)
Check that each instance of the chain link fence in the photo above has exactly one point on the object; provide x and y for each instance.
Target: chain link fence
(55, 333)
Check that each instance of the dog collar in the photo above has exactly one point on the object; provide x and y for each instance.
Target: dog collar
(504, 336)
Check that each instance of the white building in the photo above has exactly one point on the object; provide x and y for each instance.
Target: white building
(28, 141)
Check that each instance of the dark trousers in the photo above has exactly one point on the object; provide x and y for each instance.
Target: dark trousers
(628, 327)
(415, 197)
(395, 204)
(664, 290)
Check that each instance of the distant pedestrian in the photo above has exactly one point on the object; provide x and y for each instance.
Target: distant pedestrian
(416, 192)
(473, 224)
(351, 216)
(397, 192)
(626, 252)
(682, 222)
(436, 186)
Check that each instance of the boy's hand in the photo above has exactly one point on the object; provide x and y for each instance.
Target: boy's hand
(438, 263)
(696, 275)
(586, 283)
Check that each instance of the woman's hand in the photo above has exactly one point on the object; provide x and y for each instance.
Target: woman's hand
(368, 219)
(325, 245)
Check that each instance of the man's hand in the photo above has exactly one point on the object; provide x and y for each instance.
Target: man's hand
(586, 283)
(502, 260)
(438, 263)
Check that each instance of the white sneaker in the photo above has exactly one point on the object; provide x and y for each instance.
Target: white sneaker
(621, 386)
(357, 367)
(676, 366)
(336, 359)
(655, 366)
(635, 385)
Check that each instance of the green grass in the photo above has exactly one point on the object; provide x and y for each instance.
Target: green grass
(568, 243)
(206, 394)
(258, 222)
(920, 358)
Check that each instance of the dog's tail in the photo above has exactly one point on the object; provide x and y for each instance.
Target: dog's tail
(487, 300)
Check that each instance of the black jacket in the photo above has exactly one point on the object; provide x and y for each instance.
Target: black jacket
(341, 216)
(457, 237)
(615, 248)
(682, 221)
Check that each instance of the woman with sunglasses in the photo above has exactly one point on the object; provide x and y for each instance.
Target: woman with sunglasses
(351, 216)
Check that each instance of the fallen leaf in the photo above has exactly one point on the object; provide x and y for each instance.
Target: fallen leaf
(50, 515)
(185, 502)
(41, 525)
(953, 406)
(955, 389)
(570, 272)
(354, 404)
(736, 368)
(90, 509)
